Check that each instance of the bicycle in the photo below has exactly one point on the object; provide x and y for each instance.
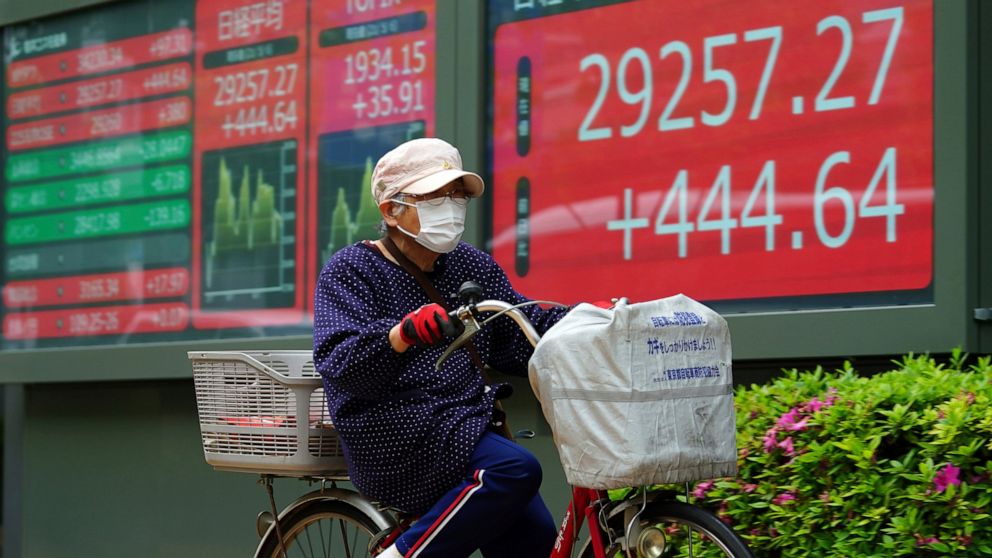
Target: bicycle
(250, 405)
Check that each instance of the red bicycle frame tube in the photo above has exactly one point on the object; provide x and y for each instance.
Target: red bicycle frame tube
(584, 499)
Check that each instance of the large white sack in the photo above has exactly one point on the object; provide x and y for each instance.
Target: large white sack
(639, 394)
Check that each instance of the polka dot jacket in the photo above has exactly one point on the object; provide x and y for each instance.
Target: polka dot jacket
(408, 430)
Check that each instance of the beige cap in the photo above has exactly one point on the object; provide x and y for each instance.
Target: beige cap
(421, 166)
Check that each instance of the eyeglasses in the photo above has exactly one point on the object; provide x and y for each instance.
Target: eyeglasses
(458, 197)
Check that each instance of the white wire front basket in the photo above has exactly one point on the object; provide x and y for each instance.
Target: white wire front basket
(265, 412)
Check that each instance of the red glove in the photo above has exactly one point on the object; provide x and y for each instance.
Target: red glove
(428, 325)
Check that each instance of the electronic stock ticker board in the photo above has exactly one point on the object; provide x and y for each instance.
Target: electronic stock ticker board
(181, 170)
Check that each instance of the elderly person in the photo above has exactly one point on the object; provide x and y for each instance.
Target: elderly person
(416, 439)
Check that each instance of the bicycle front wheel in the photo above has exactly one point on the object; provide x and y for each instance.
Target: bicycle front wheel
(677, 530)
(324, 529)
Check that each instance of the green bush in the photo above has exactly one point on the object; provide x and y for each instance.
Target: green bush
(837, 464)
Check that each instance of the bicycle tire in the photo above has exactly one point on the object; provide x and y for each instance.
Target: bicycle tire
(710, 536)
(337, 529)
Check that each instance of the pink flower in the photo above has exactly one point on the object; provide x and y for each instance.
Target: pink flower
(783, 498)
(702, 488)
(722, 513)
(815, 405)
(787, 447)
(748, 487)
(798, 426)
(788, 419)
(825, 496)
(946, 477)
(771, 439)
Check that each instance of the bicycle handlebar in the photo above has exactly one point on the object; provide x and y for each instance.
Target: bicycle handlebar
(469, 315)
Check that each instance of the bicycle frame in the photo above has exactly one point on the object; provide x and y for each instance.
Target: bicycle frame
(587, 500)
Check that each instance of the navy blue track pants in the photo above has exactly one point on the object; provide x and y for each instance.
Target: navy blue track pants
(495, 509)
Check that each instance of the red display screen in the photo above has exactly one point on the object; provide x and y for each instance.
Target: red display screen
(649, 147)
(371, 89)
(248, 166)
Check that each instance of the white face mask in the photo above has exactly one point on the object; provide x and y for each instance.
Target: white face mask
(441, 225)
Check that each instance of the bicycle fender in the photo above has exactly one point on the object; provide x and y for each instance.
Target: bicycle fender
(382, 519)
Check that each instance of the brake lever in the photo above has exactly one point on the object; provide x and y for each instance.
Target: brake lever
(471, 328)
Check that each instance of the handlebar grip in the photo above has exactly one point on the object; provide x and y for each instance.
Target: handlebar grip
(453, 326)
(468, 330)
